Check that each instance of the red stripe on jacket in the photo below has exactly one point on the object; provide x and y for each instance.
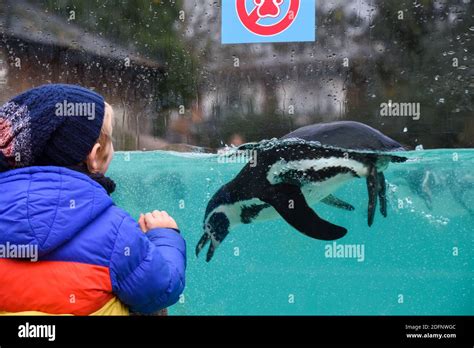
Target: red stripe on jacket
(54, 287)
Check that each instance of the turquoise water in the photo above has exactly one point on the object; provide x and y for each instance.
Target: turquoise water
(416, 261)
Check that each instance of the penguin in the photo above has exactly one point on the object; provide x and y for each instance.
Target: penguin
(426, 181)
(295, 172)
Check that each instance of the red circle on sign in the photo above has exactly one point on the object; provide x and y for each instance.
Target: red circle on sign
(249, 20)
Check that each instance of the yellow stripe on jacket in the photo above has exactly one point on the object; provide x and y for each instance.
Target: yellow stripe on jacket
(112, 308)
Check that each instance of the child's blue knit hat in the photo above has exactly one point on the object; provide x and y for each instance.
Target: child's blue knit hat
(55, 124)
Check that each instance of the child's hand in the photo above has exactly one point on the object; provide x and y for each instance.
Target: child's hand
(157, 219)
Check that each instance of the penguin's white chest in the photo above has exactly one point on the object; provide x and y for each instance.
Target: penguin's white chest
(277, 172)
(317, 191)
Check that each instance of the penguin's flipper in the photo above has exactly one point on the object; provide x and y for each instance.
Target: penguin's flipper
(382, 191)
(289, 202)
(338, 203)
(372, 188)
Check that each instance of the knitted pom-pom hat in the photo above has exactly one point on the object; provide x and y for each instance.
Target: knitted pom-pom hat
(55, 124)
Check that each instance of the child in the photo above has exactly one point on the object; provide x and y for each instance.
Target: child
(92, 257)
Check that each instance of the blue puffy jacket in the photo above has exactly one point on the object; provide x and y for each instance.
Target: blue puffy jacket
(92, 256)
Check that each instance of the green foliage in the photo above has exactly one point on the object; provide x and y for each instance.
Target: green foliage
(420, 43)
(147, 26)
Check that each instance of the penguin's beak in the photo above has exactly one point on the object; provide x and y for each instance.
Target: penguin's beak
(215, 230)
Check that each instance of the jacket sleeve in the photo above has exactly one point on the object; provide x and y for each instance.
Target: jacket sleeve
(147, 270)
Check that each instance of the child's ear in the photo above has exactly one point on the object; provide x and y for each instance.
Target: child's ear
(93, 159)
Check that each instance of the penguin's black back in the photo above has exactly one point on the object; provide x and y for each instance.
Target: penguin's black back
(347, 135)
